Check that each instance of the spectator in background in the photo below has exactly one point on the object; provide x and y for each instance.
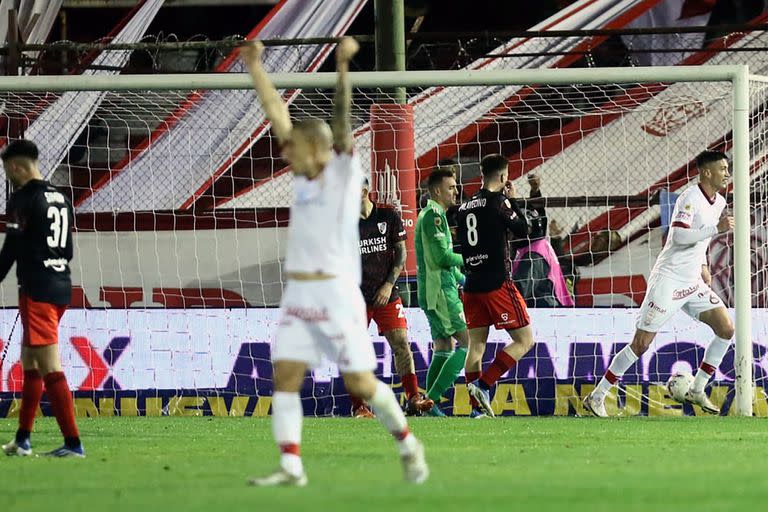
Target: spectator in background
(536, 269)
(596, 250)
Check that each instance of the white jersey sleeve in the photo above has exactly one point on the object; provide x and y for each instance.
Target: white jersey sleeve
(693, 224)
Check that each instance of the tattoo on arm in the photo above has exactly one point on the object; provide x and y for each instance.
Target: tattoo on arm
(399, 263)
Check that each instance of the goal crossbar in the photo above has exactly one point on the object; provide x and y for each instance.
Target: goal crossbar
(380, 79)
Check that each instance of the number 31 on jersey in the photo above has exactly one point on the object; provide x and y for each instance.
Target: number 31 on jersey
(59, 226)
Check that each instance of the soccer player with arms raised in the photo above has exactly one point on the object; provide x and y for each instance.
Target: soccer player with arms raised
(38, 238)
(382, 249)
(323, 311)
(438, 277)
(487, 222)
(680, 279)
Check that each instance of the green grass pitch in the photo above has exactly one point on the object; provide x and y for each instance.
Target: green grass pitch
(532, 464)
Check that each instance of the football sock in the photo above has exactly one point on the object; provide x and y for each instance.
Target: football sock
(713, 356)
(410, 385)
(287, 417)
(31, 393)
(388, 412)
(439, 357)
(448, 374)
(63, 407)
(500, 365)
(472, 377)
(620, 364)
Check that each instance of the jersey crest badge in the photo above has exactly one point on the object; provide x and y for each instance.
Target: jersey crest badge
(382, 227)
(438, 221)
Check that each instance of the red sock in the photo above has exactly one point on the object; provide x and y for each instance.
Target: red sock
(402, 434)
(356, 401)
(31, 392)
(290, 449)
(61, 403)
(410, 385)
(500, 365)
(472, 377)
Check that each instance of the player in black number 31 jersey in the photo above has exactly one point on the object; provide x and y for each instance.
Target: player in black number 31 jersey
(38, 238)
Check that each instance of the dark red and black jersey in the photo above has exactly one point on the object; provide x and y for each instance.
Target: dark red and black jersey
(38, 238)
(486, 224)
(379, 234)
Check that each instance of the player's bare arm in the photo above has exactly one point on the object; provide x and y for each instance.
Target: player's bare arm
(385, 291)
(342, 102)
(274, 106)
(706, 276)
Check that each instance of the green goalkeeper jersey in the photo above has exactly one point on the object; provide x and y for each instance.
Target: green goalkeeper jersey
(437, 264)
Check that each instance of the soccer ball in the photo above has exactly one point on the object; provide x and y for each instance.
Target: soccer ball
(678, 385)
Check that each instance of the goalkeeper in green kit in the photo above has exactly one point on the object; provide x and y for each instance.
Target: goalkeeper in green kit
(438, 280)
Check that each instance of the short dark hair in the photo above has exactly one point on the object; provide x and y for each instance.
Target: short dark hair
(492, 165)
(437, 176)
(20, 148)
(447, 162)
(707, 157)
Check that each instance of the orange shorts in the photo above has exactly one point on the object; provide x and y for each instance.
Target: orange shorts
(39, 321)
(503, 308)
(388, 317)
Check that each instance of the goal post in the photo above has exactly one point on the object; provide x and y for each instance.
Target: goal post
(549, 106)
(742, 266)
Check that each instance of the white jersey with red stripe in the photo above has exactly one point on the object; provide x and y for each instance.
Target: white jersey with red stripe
(694, 210)
(323, 235)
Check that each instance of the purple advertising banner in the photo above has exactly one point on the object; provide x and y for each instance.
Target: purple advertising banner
(217, 362)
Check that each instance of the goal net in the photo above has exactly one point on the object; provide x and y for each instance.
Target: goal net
(182, 206)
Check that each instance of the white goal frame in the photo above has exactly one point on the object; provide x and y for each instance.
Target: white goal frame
(737, 75)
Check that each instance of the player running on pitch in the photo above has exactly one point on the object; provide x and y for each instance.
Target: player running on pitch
(487, 222)
(680, 279)
(382, 249)
(438, 277)
(323, 311)
(38, 239)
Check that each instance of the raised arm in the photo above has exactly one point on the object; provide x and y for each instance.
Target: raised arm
(341, 125)
(511, 214)
(274, 106)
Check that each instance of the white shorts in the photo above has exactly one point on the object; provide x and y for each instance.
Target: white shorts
(666, 296)
(325, 317)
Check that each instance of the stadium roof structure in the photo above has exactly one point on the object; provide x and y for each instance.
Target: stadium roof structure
(135, 184)
(440, 110)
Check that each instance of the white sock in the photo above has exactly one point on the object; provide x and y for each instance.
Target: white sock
(713, 356)
(388, 411)
(287, 416)
(620, 364)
